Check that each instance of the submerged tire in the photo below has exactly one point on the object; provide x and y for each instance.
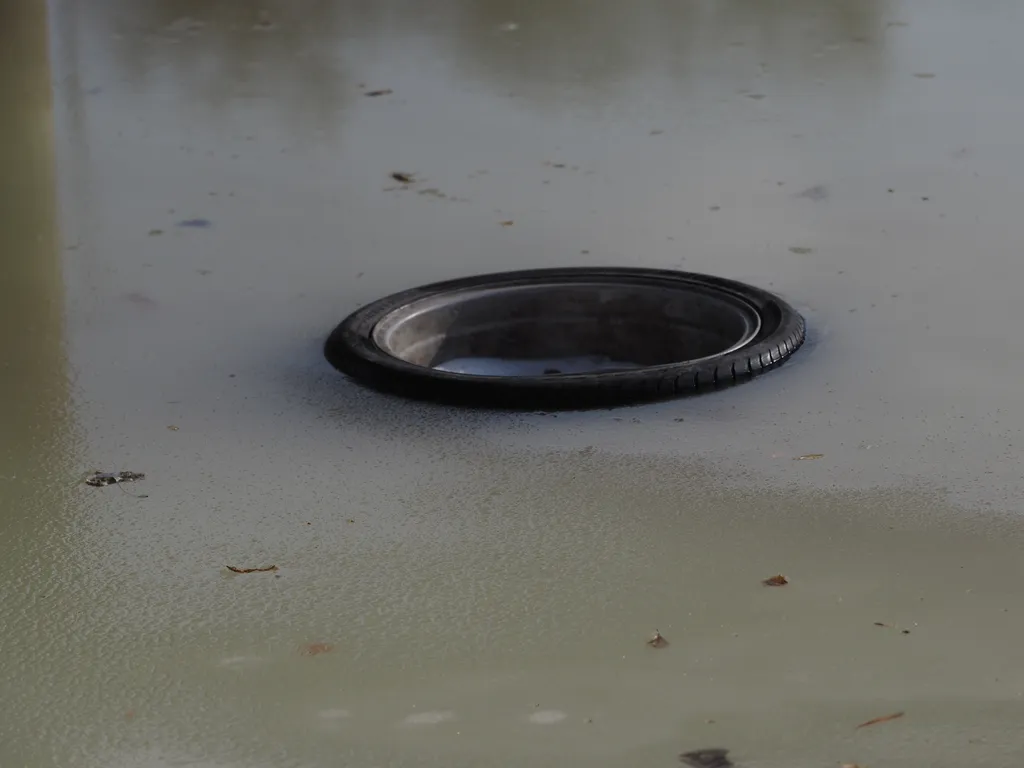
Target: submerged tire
(658, 333)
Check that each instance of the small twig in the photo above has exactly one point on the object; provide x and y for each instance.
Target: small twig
(133, 495)
(882, 719)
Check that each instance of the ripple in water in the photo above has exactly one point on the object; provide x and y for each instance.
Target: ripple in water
(429, 718)
(238, 662)
(334, 714)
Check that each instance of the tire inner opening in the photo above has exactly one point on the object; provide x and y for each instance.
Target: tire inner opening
(566, 328)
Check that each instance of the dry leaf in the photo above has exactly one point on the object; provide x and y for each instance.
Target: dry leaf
(315, 649)
(809, 457)
(508, 223)
(882, 719)
(657, 640)
(776, 581)
(251, 570)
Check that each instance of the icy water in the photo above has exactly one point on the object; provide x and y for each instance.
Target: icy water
(196, 193)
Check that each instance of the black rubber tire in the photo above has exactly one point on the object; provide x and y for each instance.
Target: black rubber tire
(350, 349)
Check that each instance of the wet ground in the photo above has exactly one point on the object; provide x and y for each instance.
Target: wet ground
(207, 190)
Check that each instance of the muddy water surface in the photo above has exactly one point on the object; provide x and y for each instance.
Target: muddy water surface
(197, 192)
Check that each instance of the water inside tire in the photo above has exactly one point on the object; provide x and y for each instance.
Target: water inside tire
(566, 328)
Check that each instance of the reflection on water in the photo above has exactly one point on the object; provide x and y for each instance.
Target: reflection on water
(32, 389)
(223, 53)
(600, 50)
(36, 437)
(304, 55)
(33, 384)
(496, 366)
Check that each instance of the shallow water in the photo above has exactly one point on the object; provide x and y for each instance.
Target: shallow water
(208, 192)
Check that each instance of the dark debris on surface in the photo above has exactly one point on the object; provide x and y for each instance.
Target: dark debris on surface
(706, 758)
(265, 569)
(102, 479)
(657, 640)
